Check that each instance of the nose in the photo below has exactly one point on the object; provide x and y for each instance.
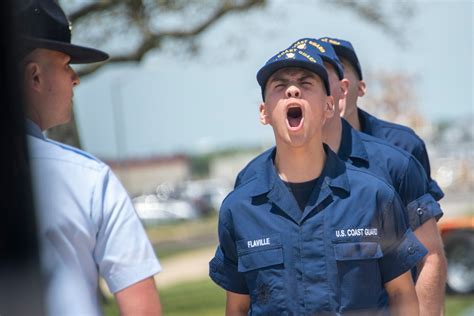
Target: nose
(293, 92)
(75, 79)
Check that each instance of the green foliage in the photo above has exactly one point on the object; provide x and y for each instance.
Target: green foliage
(461, 305)
(199, 298)
(200, 164)
(204, 298)
(195, 298)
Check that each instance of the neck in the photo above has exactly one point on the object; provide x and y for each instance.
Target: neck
(35, 119)
(32, 113)
(353, 119)
(300, 164)
(332, 132)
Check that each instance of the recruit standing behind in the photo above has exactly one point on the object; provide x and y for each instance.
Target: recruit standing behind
(430, 285)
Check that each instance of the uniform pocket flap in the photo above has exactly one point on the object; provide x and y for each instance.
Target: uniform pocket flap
(357, 251)
(260, 259)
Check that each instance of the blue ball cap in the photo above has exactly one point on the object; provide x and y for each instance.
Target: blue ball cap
(346, 50)
(306, 58)
(325, 50)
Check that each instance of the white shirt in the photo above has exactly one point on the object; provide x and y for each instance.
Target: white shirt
(87, 227)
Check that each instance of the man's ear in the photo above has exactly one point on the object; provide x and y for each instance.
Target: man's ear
(361, 88)
(263, 114)
(344, 87)
(32, 76)
(329, 107)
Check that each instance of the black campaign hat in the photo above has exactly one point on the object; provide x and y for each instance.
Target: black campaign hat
(43, 24)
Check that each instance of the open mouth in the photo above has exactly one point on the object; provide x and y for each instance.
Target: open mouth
(294, 116)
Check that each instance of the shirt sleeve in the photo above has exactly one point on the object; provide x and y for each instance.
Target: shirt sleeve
(415, 193)
(421, 155)
(401, 249)
(123, 252)
(223, 267)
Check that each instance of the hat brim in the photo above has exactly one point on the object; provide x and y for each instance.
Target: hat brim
(264, 74)
(78, 54)
(350, 55)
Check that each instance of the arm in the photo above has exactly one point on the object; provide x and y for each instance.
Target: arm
(402, 296)
(432, 270)
(237, 304)
(140, 298)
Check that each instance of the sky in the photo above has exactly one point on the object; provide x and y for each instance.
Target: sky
(170, 103)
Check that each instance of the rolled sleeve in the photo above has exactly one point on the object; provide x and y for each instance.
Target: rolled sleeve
(435, 190)
(402, 257)
(401, 249)
(223, 267)
(224, 274)
(422, 209)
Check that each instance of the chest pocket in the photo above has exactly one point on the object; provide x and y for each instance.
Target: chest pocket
(261, 261)
(359, 277)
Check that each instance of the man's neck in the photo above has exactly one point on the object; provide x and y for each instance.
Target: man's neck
(333, 133)
(34, 117)
(353, 119)
(300, 164)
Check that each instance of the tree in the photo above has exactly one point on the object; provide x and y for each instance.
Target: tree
(139, 27)
(392, 96)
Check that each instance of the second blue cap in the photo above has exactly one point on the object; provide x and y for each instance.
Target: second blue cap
(325, 50)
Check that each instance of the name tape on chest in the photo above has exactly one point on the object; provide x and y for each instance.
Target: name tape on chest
(356, 232)
(258, 242)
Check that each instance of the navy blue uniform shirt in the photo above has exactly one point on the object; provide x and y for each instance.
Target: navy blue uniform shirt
(333, 257)
(402, 137)
(397, 167)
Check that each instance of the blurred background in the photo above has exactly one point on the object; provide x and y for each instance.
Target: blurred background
(175, 111)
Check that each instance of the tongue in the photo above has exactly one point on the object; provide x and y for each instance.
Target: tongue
(294, 121)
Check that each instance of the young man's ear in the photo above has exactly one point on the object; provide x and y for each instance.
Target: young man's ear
(344, 87)
(361, 88)
(329, 107)
(263, 114)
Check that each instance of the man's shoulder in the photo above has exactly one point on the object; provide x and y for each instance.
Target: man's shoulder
(244, 192)
(362, 178)
(397, 133)
(50, 150)
(384, 147)
(250, 170)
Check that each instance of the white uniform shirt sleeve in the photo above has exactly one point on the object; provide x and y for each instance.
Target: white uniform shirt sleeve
(123, 252)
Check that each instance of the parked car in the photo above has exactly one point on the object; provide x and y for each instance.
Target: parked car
(152, 210)
(458, 238)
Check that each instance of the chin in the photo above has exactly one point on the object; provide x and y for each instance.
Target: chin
(297, 141)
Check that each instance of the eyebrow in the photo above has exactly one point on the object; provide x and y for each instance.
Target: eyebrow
(303, 77)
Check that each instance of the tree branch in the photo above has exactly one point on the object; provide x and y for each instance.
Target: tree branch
(99, 6)
(153, 40)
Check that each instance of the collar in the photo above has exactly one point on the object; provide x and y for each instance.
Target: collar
(33, 129)
(333, 174)
(352, 147)
(368, 123)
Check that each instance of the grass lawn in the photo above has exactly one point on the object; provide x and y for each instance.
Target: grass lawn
(175, 238)
(201, 298)
(204, 298)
